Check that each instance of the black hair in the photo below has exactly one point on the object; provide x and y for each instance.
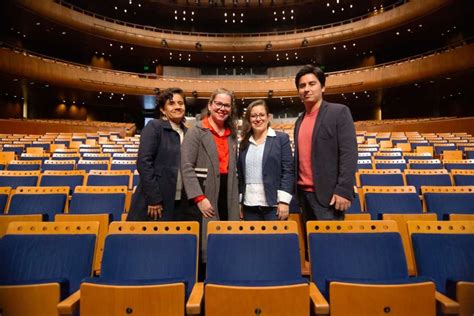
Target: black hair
(310, 69)
(164, 96)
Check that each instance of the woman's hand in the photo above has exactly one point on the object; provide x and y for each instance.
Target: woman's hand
(206, 208)
(283, 210)
(154, 211)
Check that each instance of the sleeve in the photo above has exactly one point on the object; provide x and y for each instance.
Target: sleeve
(189, 154)
(347, 142)
(147, 152)
(287, 170)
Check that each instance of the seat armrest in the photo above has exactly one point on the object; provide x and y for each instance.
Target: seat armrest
(320, 304)
(70, 305)
(448, 306)
(193, 306)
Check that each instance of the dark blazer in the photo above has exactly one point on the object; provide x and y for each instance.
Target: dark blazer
(158, 163)
(277, 169)
(333, 153)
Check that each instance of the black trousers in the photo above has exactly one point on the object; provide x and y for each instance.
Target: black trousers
(222, 201)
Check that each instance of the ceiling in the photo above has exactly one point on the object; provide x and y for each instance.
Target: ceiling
(25, 29)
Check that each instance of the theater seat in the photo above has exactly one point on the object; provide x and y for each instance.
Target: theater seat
(147, 269)
(254, 268)
(359, 268)
(43, 264)
(444, 251)
(47, 201)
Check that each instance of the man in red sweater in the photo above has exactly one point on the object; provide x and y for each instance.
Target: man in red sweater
(326, 150)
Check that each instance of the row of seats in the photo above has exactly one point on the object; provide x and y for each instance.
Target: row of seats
(65, 147)
(253, 268)
(70, 178)
(445, 151)
(59, 153)
(441, 201)
(97, 203)
(414, 177)
(402, 164)
(48, 201)
(50, 142)
(67, 163)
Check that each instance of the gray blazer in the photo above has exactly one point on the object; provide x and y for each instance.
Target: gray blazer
(200, 172)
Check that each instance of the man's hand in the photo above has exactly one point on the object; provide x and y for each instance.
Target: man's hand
(340, 203)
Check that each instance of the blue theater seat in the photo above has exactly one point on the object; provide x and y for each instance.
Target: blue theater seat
(257, 263)
(364, 262)
(448, 200)
(381, 200)
(47, 201)
(14, 179)
(444, 252)
(419, 178)
(99, 200)
(157, 282)
(43, 264)
(379, 177)
(463, 177)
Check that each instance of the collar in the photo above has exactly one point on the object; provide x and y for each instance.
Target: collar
(172, 125)
(175, 126)
(270, 133)
(206, 124)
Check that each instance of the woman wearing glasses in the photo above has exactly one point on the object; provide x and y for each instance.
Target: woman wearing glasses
(265, 167)
(209, 162)
(160, 194)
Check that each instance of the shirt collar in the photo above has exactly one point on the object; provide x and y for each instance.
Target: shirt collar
(206, 124)
(270, 133)
(175, 126)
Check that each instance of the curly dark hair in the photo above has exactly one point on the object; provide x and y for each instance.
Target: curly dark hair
(164, 96)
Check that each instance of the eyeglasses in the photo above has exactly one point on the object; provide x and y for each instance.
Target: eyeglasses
(222, 105)
(255, 116)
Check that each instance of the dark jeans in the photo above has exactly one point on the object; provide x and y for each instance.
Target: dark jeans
(313, 210)
(260, 213)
